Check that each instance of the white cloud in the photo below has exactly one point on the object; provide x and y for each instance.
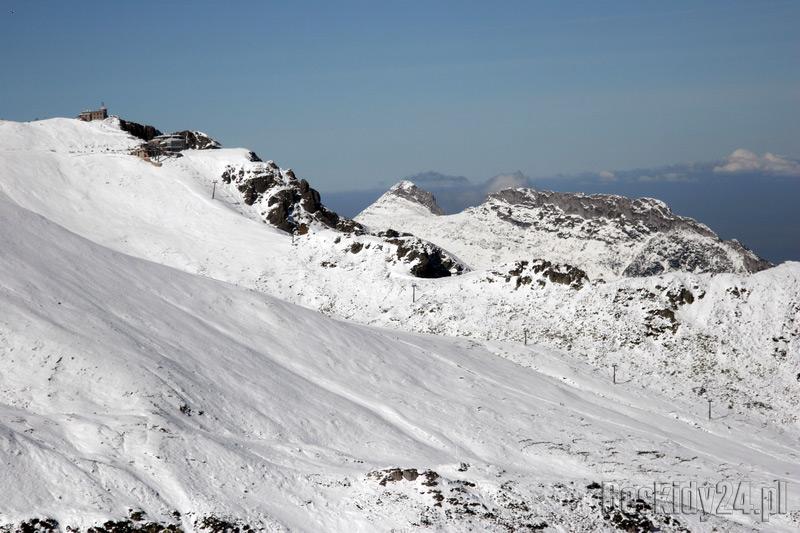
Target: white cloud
(742, 160)
(605, 175)
(506, 181)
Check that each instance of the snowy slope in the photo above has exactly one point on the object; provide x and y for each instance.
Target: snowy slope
(64, 135)
(167, 215)
(730, 337)
(118, 200)
(126, 385)
(605, 235)
(679, 337)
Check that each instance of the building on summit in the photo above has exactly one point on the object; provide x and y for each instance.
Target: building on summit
(90, 115)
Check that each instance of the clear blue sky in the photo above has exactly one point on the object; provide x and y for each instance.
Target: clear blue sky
(355, 93)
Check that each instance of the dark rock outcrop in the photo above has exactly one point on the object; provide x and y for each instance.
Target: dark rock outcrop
(281, 204)
(562, 274)
(292, 205)
(141, 131)
(428, 260)
(394, 475)
(197, 140)
(309, 198)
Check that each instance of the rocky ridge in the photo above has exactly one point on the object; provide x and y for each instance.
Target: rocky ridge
(292, 205)
(195, 140)
(406, 189)
(673, 242)
(140, 131)
(607, 236)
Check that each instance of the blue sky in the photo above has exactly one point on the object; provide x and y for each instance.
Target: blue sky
(351, 94)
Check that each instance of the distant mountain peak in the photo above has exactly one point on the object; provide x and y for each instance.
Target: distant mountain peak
(408, 190)
(606, 235)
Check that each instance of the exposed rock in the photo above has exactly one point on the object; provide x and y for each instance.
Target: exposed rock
(131, 526)
(141, 131)
(197, 140)
(280, 205)
(562, 274)
(607, 236)
(650, 214)
(409, 191)
(393, 475)
(292, 205)
(681, 297)
(431, 478)
(214, 524)
(660, 321)
(674, 251)
(310, 198)
(429, 261)
(347, 225)
(672, 242)
(752, 262)
(33, 525)
(410, 474)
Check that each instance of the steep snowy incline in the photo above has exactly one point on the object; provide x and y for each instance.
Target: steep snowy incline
(418, 201)
(65, 135)
(90, 184)
(606, 236)
(131, 389)
(733, 337)
(79, 175)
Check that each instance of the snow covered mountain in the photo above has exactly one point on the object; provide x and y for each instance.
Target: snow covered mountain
(293, 206)
(678, 332)
(607, 236)
(142, 379)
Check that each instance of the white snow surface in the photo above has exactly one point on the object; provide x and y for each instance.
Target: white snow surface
(502, 231)
(140, 370)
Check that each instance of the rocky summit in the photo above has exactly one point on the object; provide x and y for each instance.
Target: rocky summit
(607, 236)
(407, 190)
